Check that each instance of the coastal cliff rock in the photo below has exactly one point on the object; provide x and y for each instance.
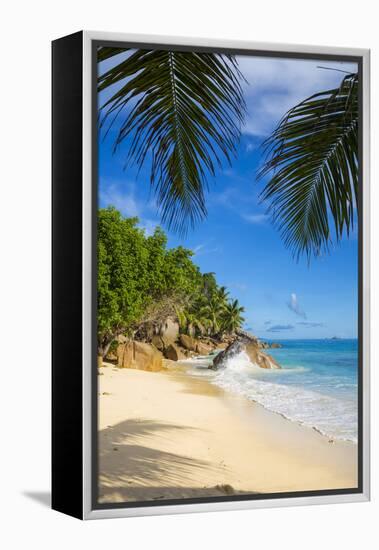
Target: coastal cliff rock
(169, 331)
(233, 349)
(147, 357)
(139, 355)
(188, 342)
(158, 342)
(204, 348)
(266, 345)
(259, 358)
(125, 354)
(174, 353)
(249, 346)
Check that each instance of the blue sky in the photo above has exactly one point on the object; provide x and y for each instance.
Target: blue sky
(282, 298)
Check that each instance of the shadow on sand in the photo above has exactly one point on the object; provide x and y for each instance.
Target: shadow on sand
(132, 470)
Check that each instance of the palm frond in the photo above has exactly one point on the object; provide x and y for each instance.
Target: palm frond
(312, 159)
(107, 52)
(181, 112)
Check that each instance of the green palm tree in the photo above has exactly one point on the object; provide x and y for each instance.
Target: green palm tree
(182, 113)
(313, 167)
(232, 317)
(213, 312)
(222, 294)
(191, 322)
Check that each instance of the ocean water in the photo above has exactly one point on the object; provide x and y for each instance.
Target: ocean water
(317, 385)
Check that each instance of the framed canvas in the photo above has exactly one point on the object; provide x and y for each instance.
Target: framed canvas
(210, 275)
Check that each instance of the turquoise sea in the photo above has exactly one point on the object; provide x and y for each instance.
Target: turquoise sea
(317, 385)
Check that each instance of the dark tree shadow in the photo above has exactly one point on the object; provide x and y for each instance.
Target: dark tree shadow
(132, 469)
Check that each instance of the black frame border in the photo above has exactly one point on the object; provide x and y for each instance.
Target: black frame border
(94, 187)
(67, 266)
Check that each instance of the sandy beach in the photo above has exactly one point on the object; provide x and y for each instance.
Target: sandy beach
(168, 435)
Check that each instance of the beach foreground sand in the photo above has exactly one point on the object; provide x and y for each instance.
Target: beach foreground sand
(167, 435)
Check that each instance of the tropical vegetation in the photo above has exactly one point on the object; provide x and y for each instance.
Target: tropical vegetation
(141, 283)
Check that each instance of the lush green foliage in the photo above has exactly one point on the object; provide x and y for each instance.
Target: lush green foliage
(141, 281)
(313, 165)
(182, 113)
(232, 316)
(211, 312)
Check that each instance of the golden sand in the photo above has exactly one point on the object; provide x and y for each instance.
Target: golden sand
(168, 435)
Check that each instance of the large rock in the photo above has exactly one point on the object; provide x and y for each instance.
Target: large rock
(256, 356)
(188, 342)
(233, 349)
(139, 355)
(169, 331)
(266, 345)
(174, 353)
(122, 339)
(158, 342)
(147, 357)
(125, 354)
(203, 348)
(221, 345)
(111, 357)
(259, 358)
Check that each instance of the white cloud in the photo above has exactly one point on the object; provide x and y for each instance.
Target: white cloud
(204, 248)
(255, 218)
(277, 84)
(250, 147)
(198, 248)
(294, 306)
(120, 195)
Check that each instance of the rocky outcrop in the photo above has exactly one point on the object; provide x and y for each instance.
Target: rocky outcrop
(111, 357)
(267, 345)
(122, 339)
(125, 354)
(203, 348)
(169, 331)
(188, 342)
(139, 355)
(245, 336)
(259, 358)
(221, 345)
(174, 353)
(233, 349)
(147, 357)
(251, 348)
(158, 342)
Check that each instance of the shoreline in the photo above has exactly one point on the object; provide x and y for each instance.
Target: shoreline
(186, 365)
(169, 435)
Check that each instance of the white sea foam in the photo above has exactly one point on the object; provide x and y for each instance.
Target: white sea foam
(332, 416)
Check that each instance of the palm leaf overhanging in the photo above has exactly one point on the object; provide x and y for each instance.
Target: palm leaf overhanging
(182, 112)
(312, 158)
